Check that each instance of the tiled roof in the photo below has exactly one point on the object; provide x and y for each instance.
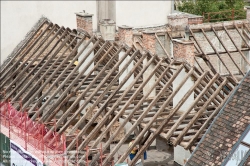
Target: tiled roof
(226, 129)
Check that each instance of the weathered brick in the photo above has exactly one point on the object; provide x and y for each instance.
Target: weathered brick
(149, 41)
(178, 21)
(184, 50)
(125, 34)
(84, 21)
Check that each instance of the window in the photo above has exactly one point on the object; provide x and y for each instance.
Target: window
(240, 151)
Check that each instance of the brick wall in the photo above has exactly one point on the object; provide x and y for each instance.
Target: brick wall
(195, 20)
(84, 22)
(125, 35)
(184, 50)
(149, 41)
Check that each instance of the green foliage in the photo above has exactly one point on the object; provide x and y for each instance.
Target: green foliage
(234, 9)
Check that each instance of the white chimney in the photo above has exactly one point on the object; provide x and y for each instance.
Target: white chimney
(107, 29)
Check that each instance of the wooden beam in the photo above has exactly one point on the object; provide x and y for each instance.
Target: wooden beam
(242, 55)
(205, 125)
(20, 74)
(218, 55)
(205, 55)
(38, 73)
(86, 89)
(124, 107)
(198, 114)
(6, 69)
(150, 140)
(157, 114)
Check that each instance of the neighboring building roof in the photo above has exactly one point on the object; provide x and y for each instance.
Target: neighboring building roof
(221, 47)
(44, 74)
(226, 129)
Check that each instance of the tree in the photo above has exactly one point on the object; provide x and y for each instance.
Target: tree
(235, 8)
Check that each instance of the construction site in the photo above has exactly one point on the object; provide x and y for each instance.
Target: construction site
(78, 97)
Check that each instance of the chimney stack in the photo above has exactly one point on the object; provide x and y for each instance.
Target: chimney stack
(107, 29)
(184, 50)
(84, 21)
(149, 41)
(178, 21)
(125, 34)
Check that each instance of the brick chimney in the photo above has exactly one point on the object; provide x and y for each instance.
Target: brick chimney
(84, 21)
(178, 21)
(125, 34)
(149, 41)
(184, 50)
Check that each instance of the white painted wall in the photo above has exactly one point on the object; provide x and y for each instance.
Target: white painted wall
(18, 17)
(184, 89)
(180, 154)
(142, 13)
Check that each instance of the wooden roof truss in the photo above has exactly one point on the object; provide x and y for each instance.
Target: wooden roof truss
(45, 69)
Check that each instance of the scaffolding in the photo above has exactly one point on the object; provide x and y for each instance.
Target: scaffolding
(30, 135)
(17, 126)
